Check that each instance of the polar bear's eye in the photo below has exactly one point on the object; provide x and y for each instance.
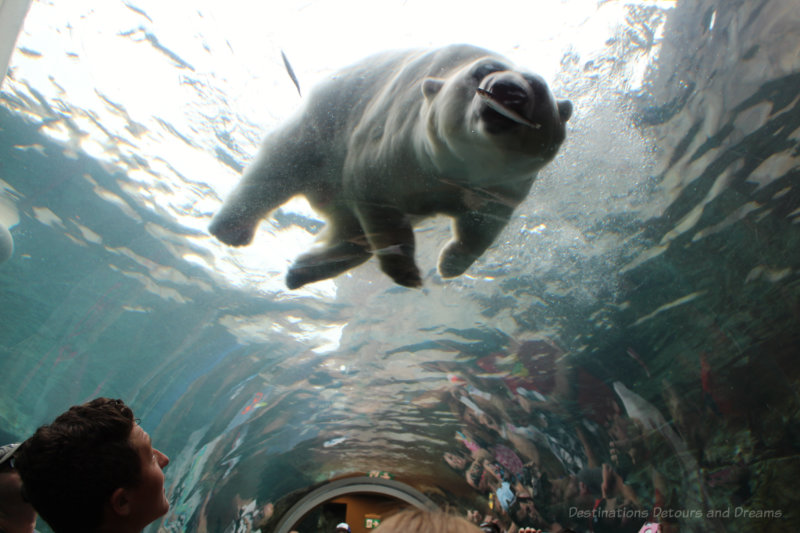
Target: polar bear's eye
(483, 70)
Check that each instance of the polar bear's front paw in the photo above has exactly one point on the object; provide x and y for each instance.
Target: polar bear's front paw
(232, 231)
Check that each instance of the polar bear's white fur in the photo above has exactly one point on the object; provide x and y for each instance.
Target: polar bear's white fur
(398, 136)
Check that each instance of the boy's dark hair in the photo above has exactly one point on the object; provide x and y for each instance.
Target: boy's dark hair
(70, 468)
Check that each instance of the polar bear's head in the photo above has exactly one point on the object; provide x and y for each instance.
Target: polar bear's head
(493, 116)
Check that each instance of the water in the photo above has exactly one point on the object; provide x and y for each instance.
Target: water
(640, 310)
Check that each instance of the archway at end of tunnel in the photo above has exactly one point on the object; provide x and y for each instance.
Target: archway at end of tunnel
(360, 501)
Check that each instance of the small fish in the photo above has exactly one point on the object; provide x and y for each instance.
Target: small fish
(135, 309)
(333, 442)
(291, 72)
(636, 357)
(455, 378)
(503, 110)
(706, 382)
(651, 418)
(36, 147)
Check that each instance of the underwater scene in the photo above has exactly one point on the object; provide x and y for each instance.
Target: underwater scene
(612, 346)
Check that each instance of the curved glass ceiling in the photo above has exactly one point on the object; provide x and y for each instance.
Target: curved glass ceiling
(630, 337)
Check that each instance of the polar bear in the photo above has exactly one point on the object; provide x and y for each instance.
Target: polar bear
(395, 138)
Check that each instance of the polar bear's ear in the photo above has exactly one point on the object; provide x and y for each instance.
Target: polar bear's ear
(431, 87)
(564, 110)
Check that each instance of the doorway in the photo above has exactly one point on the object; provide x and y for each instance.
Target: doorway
(361, 501)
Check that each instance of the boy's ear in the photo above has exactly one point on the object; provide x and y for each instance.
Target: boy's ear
(120, 503)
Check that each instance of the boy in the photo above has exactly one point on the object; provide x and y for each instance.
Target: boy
(94, 469)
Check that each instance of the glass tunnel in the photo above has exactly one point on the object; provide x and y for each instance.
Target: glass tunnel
(610, 345)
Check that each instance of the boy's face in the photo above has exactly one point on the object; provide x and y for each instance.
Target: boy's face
(16, 516)
(148, 500)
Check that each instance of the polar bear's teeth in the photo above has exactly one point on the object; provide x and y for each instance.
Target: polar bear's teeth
(505, 111)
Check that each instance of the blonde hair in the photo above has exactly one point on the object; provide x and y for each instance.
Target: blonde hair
(422, 521)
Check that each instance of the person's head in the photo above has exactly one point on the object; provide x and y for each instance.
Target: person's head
(422, 521)
(16, 515)
(343, 527)
(525, 507)
(457, 462)
(94, 469)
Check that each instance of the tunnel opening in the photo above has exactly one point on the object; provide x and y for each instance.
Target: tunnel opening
(361, 501)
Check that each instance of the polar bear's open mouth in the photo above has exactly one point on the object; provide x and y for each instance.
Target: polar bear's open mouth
(493, 102)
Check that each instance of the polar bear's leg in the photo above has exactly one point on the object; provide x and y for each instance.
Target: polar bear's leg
(343, 247)
(281, 170)
(474, 232)
(392, 239)
(325, 263)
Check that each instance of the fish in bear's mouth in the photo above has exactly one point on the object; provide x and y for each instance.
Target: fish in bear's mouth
(494, 103)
